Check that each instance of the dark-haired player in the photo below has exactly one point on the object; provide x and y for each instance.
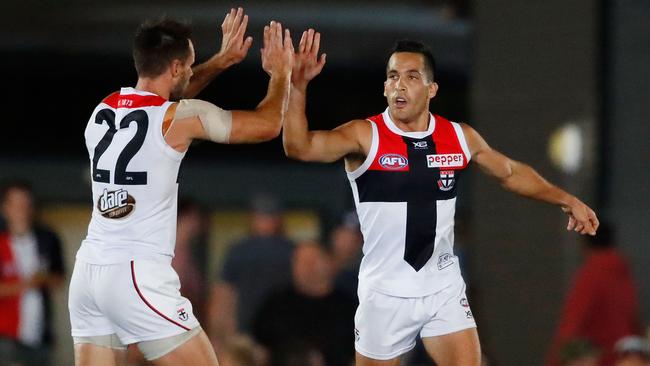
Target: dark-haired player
(403, 166)
(124, 290)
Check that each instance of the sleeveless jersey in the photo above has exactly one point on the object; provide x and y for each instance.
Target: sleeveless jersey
(134, 180)
(405, 195)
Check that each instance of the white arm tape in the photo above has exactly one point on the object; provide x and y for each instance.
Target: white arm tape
(216, 122)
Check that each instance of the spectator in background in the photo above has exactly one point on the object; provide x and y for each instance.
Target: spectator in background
(602, 305)
(579, 352)
(251, 268)
(309, 318)
(190, 250)
(345, 245)
(241, 350)
(31, 266)
(632, 351)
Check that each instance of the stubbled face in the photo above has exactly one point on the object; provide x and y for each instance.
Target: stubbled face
(181, 73)
(407, 87)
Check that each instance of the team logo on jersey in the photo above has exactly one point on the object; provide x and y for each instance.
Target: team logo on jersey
(393, 161)
(445, 160)
(115, 204)
(420, 145)
(182, 314)
(446, 181)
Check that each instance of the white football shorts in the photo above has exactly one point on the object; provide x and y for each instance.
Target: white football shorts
(138, 301)
(387, 326)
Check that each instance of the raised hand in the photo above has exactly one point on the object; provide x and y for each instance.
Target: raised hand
(277, 53)
(307, 64)
(582, 219)
(234, 47)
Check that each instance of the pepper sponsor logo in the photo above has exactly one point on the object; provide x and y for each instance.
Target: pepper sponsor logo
(445, 160)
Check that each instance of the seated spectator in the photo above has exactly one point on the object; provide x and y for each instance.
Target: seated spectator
(579, 352)
(31, 266)
(241, 350)
(251, 268)
(191, 232)
(632, 351)
(346, 242)
(602, 305)
(311, 313)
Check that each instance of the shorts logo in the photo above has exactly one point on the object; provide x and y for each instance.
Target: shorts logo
(445, 161)
(464, 303)
(393, 161)
(445, 260)
(420, 145)
(115, 204)
(182, 315)
(446, 181)
(356, 335)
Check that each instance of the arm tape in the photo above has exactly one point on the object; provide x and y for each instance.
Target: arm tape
(216, 122)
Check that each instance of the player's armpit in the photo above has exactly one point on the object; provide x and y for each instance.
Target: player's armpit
(353, 137)
(489, 160)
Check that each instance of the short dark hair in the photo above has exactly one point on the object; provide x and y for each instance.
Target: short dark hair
(407, 45)
(157, 43)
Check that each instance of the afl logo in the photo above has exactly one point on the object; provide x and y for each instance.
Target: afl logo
(393, 161)
(115, 204)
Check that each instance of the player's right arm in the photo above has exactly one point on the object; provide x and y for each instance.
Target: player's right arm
(195, 119)
(319, 146)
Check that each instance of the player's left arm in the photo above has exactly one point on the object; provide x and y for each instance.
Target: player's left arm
(520, 178)
(234, 47)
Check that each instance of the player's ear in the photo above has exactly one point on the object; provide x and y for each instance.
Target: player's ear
(385, 82)
(176, 68)
(433, 89)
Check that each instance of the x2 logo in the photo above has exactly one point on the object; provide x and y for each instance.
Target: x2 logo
(419, 145)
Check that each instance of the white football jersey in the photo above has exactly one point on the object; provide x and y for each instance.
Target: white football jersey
(134, 177)
(405, 195)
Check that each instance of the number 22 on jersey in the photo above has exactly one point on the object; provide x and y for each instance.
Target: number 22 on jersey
(121, 176)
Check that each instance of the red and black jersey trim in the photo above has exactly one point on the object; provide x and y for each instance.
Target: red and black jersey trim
(416, 184)
(117, 100)
(137, 289)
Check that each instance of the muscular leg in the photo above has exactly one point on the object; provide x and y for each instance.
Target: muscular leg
(460, 348)
(87, 354)
(197, 351)
(361, 360)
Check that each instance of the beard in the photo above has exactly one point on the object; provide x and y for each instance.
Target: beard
(177, 92)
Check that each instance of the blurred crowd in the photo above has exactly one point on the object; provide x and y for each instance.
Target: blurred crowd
(276, 302)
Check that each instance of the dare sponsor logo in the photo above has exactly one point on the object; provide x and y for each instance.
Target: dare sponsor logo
(393, 161)
(445, 160)
(115, 204)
